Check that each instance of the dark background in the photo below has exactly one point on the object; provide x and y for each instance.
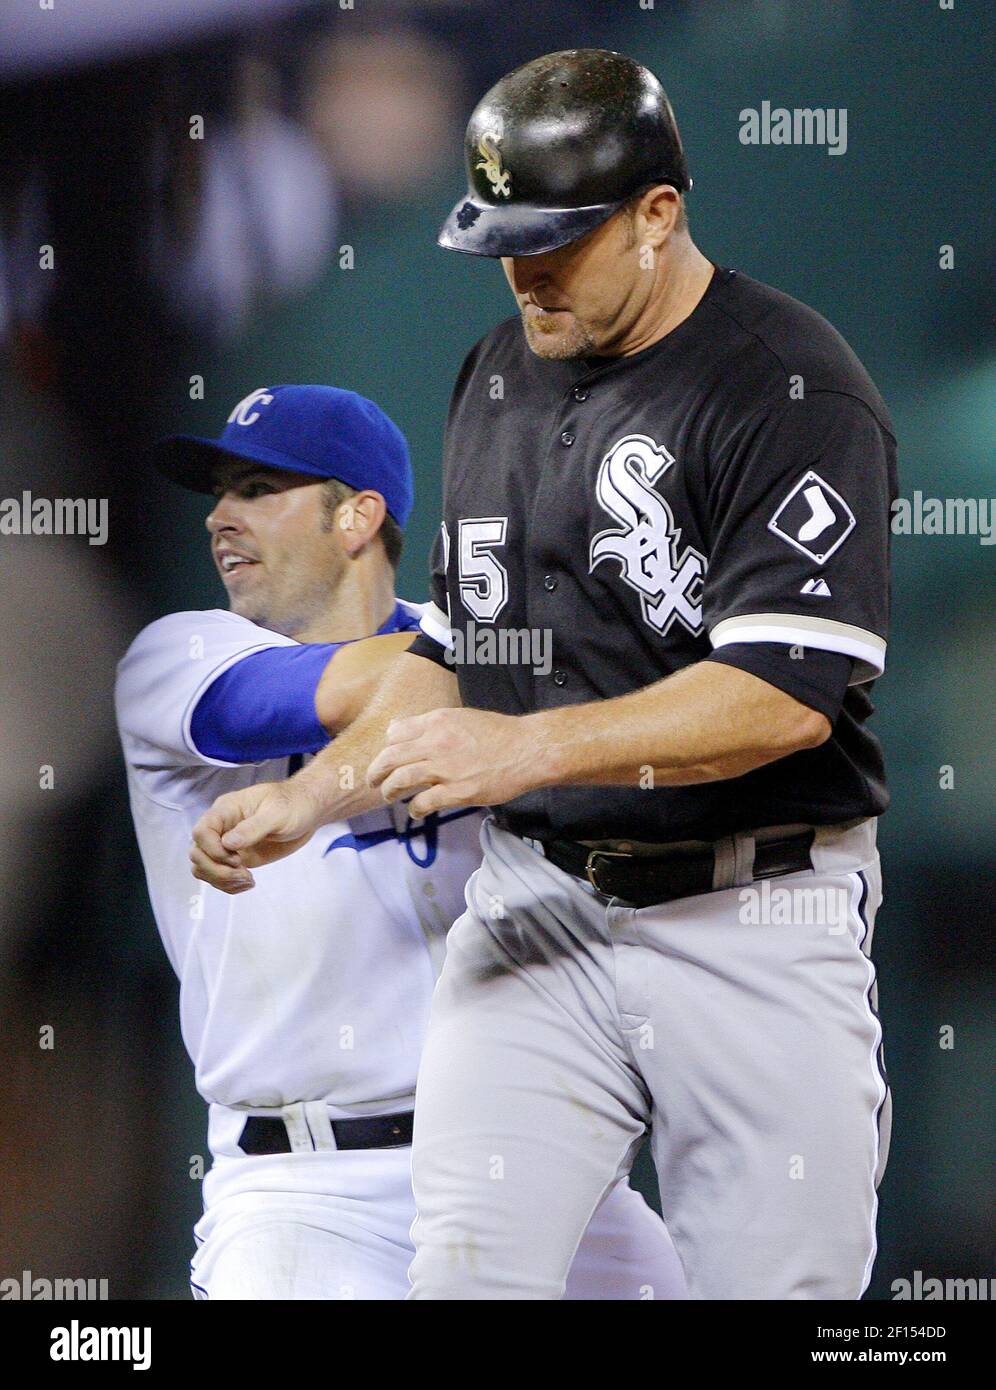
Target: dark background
(188, 272)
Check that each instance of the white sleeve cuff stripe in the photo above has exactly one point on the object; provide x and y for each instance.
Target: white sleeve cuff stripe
(436, 624)
(795, 629)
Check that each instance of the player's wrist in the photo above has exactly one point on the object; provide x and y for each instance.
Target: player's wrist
(315, 790)
(546, 753)
(580, 745)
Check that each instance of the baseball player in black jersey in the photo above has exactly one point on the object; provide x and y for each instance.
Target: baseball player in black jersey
(660, 599)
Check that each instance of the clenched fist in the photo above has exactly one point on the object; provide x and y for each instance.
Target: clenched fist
(245, 829)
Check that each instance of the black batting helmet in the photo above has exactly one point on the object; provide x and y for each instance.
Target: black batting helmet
(556, 147)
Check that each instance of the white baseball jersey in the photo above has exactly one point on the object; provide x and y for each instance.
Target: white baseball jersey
(315, 985)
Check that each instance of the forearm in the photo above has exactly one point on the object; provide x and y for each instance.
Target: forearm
(335, 779)
(706, 723)
(352, 677)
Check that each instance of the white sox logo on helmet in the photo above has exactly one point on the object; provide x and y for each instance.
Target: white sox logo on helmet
(490, 162)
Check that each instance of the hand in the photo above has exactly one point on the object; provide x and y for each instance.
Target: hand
(457, 757)
(245, 829)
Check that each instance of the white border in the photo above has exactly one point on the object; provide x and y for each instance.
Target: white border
(796, 629)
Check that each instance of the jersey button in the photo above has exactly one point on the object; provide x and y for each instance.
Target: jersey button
(579, 393)
(549, 582)
(567, 439)
(559, 677)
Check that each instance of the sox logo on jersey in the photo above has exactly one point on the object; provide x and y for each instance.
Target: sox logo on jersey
(669, 585)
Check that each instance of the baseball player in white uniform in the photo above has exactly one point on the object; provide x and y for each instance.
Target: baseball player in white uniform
(304, 1004)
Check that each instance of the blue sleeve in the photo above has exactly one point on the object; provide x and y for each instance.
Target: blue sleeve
(264, 706)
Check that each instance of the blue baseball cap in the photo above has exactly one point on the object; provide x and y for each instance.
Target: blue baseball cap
(320, 430)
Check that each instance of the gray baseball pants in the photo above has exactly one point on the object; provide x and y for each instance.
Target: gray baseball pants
(738, 1025)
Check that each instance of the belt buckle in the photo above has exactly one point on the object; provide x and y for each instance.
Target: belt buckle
(591, 869)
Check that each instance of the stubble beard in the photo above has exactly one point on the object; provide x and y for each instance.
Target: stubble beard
(561, 346)
(288, 615)
(289, 610)
(253, 609)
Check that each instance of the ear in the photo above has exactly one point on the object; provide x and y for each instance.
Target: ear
(656, 215)
(358, 519)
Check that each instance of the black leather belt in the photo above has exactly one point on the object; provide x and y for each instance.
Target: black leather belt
(645, 879)
(267, 1134)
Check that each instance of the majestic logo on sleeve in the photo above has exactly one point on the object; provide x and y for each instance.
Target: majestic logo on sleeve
(646, 543)
(813, 518)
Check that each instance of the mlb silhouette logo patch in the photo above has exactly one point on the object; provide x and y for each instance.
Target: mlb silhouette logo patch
(813, 518)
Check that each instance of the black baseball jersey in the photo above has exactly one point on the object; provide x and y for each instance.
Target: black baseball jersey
(722, 495)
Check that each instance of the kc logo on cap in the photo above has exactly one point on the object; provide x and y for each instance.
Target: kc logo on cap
(244, 414)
